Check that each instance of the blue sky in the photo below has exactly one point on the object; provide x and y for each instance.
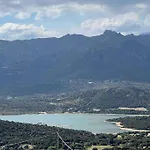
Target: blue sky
(26, 19)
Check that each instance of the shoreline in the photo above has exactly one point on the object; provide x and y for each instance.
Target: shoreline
(50, 113)
(118, 124)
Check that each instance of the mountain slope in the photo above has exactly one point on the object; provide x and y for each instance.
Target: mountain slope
(110, 56)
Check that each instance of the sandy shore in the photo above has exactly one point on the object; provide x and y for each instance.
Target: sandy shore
(128, 129)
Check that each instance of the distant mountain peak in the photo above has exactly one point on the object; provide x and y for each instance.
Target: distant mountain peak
(111, 33)
(73, 35)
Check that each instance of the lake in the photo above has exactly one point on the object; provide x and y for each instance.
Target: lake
(89, 122)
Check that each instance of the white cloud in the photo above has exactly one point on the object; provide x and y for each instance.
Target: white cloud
(100, 15)
(23, 15)
(54, 8)
(52, 12)
(141, 6)
(47, 8)
(12, 31)
(147, 20)
(113, 23)
(23, 9)
(87, 8)
(58, 10)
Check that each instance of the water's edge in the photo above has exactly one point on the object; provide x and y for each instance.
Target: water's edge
(95, 123)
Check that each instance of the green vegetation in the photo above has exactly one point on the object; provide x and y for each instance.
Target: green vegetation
(16, 136)
(26, 66)
(108, 100)
(138, 123)
(12, 135)
(105, 100)
(133, 112)
(116, 97)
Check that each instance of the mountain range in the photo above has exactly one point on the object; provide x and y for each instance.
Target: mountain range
(52, 61)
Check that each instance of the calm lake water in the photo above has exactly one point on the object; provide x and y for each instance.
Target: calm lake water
(90, 122)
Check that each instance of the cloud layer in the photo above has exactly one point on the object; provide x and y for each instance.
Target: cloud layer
(12, 31)
(92, 17)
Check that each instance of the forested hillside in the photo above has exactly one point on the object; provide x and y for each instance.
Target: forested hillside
(101, 100)
(114, 98)
(138, 123)
(28, 64)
